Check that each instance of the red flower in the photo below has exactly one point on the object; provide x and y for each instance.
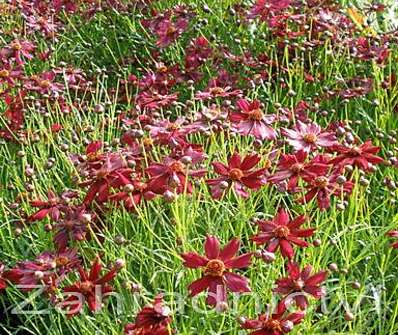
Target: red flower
(278, 323)
(172, 174)
(52, 207)
(133, 194)
(18, 50)
(361, 156)
(252, 121)
(3, 278)
(281, 232)
(111, 173)
(153, 319)
(393, 233)
(91, 288)
(308, 137)
(293, 166)
(323, 187)
(217, 265)
(239, 174)
(72, 226)
(300, 284)
(217, 92)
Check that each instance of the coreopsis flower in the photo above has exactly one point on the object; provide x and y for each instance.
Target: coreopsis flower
(217, 266)
(72, 226)
(10, 74)
(153, 319)
(133, 194)
(362, 156)
(52, 207)
(300, 284)
(291, 167)
(323, 186)
(267, 8)
(278, 323)
(112, 173)
(217, 92)
(251, 120)
(169, 133)
(44, 269)
(18, 50)
(3, 278)
(92, 288)
(44, 84)
(394, 234)
(172, 174)
(197, 53)
(149, 100)
(308, 137)
(168, 31)
(213, 118)
(282, 233)
(239, 174)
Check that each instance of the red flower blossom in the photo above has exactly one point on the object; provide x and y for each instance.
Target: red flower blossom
(52, 207)
(308, 137)
(217, 92)
(112, 173)
(361, 156)
(172, 174)
(18, 50)
(323, 186)
(393, 233)
(217, 265)
(281, 232)
(44, 270)
(153, 319)
(252, 121)
(3, 278)
(133, 194)
(238, 173)
(293, 166)
(300, 284)
(91, 288)
(278, 323)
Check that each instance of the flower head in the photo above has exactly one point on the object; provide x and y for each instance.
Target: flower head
(153, 319)
(217, 266)
(283, 233)
(300, 284)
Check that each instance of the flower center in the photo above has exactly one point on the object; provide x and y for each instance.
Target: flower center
(177, 166)
(281, 231)
(321, 182)
(236, 174)
(86, 286)
(310, 138)
(171, 30)
(274, 325)
(16, 46)
(299, 284)
(356, 151)
(148, 142)
(173, 126)
(256, 115)
(4, 73)
(102, 174)
(216, 90)
(139, 186)
(61, 261)
(215, 268)
(45, 84)
(296, 168)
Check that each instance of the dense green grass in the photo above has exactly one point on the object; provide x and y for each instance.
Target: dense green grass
(354, 238)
